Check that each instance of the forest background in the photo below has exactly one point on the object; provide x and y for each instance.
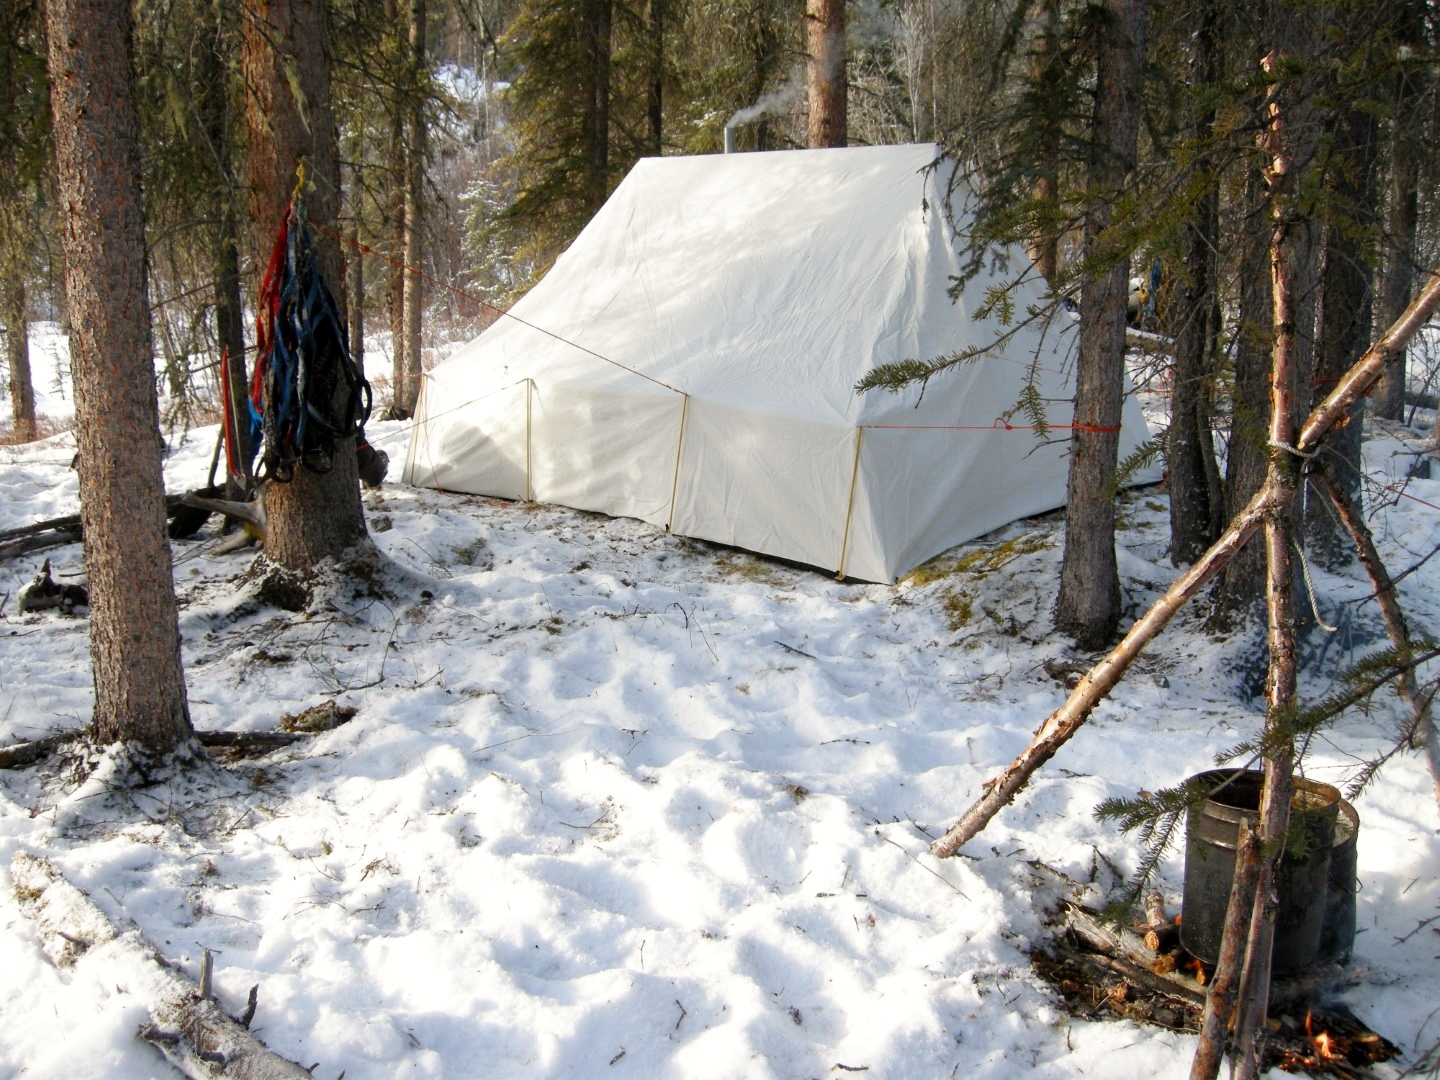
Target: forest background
(1248, 181)
(1117, 141)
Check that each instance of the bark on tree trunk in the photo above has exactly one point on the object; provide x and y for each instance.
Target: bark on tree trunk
(15, 315)
(134, 631)
(1242, 583)
(1088, 606)
(1044, 51)
(229, 304)
(355, 283)
(1280, 683)
(395, 214)
(826, 77)
(395, 300)
(229, 318)
(1217, 1022)
(1403, 214)
(655, 78)
(286, 67)
(1345, 324)
(407, 393)
(597, 104)
(1190, 452)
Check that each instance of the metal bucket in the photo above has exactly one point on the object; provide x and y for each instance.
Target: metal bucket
(1301, 873)
(1337, 936)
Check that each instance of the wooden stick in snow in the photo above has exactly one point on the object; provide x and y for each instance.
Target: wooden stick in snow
(1101, 679)
(1283, 479)
(191, 1031)
(1220, 1002)
(1422, 725)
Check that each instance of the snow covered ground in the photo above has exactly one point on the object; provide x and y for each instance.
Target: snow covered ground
(616, 803)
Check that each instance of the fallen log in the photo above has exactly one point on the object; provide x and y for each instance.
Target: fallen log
(43, 539)
(1145, 979)
(189, 1028)
(68, 529)
(18, 755)
(1126, 955)
(234, 743)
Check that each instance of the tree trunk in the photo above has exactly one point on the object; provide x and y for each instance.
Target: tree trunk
(395, 297)
(1280, 684)
(395, 214)
(229, 303)
(355, 282)
(407, 393)
(134, 631)
(1225, 987)
(655, 79)
(1345, 322)
(1044, 52)
(14, 314)
(1403, 211)
(1190, 451)
(229, 320)
(286, 67)
(1088, 606)
(1421, 730)
(825, 71)
(1242, 584)
(597, 102)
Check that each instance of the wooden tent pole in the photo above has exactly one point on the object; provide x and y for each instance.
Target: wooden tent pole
(529, 438)
(850, 505)
(679, 449)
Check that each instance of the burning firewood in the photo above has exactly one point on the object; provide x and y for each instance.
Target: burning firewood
(1331, 1041)
(1102, 969)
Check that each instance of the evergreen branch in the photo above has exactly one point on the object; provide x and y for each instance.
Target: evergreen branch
(1032, 405)
(1147, 452)
(897, 375)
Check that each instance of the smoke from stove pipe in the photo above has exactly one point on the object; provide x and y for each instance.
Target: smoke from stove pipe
(775, 102)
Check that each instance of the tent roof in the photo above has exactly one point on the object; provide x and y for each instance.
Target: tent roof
(691, 360)
(762, 280)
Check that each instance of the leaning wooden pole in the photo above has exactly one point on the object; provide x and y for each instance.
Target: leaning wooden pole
(1282, 678)
(1102, 678)
(1224, 989)
(1421, 731)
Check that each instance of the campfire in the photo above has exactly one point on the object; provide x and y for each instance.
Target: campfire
(1141, 972)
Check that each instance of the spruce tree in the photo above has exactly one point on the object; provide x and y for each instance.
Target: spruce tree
(559, 103)
(316, 515)
(1088, 605)
(25, 147)
(134, 630)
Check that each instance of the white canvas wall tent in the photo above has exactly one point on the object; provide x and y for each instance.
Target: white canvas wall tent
(691, 360)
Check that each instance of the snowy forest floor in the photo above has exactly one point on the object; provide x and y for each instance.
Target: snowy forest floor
(618, 803)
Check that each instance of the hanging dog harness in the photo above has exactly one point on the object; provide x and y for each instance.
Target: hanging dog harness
(306, 392)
